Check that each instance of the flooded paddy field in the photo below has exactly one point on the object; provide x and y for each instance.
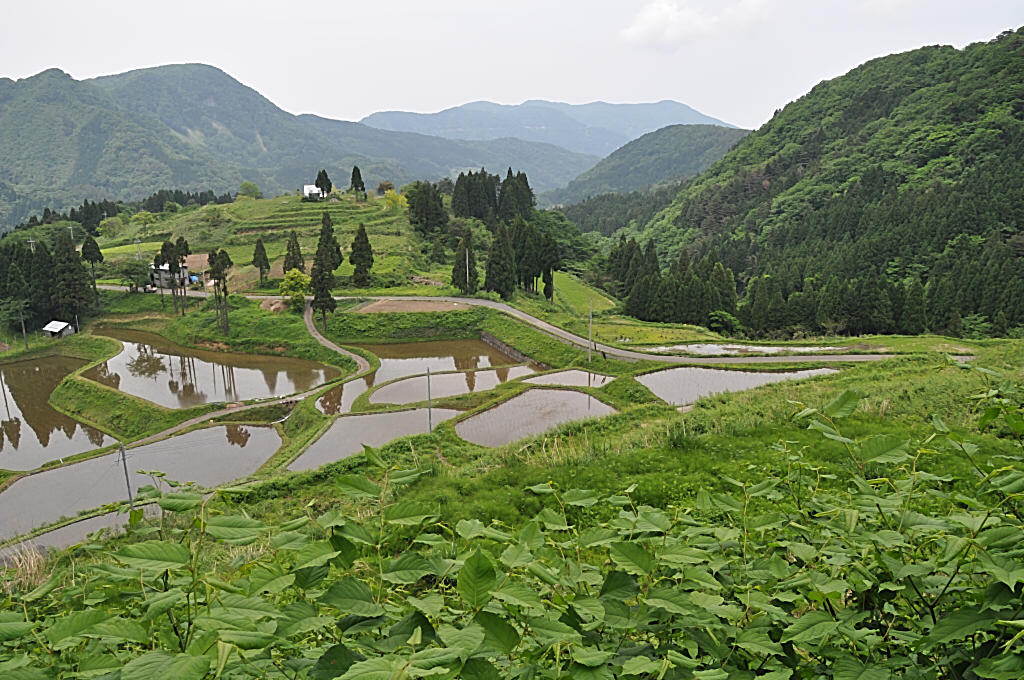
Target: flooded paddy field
(348, 434)
(168, 374)
(208, 457)
(685, 385)
(31, 431)
(530, 413)
(571, 378)
(411, 390)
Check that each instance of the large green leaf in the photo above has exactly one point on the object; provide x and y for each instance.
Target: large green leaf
(499, 634)
(12, 630)
(247, 639)
(409, 568)
(549, 630)
(958, 625)
(813, 626)
(180, 502)
(884, 449)
(235, 529)
(844, 405)
(632, 558)
(849, 668)
(670, 599)
(476, 580)
(350, 596)
(378, 668)
(316, 554)
(408, 513)
(75, 624)
(154, 555)
(359, 487)
(164, 666)
(333, 663)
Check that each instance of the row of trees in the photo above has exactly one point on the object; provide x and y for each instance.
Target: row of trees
(487, 197)
(325, 185)
(37, 286)
(521, 255)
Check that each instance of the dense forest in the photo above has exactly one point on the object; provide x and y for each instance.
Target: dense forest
(607, 213)
(903, 174)
(664, 155)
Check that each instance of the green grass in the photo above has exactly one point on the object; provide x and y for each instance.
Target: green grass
(121, 415)
(577, 296)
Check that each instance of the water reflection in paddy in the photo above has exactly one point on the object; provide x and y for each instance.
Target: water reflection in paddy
(348, 434)
(411, 390)
(31, 431)
(686, 385)
(530, 413)
(398, 360)
(178, 377)
(209, 457)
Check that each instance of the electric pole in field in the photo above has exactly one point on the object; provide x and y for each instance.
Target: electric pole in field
(590, 337)
(430, 415)
(32, 245)
(138, 249)
(127, 481)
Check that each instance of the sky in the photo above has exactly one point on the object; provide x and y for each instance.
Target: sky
(737, 60)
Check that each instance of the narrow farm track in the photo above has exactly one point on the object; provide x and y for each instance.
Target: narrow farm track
(571, 338)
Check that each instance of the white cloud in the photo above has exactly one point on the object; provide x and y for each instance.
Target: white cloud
(667, 24)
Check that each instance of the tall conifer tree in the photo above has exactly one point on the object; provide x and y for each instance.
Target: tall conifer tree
(361, 257)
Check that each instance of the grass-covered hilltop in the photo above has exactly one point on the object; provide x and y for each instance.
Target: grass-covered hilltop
(766, 423)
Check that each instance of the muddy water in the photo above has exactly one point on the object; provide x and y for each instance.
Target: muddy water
(411, 390)
(209, 457)
(686, 385)
(348, 434)
(571, 378)
(530, 413)
(178, 377)
(399, 360)
(31, 431)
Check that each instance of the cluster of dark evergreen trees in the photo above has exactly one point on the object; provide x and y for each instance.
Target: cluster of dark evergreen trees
(488, 198)
(38, 286)
(90, 213)
(702, 293)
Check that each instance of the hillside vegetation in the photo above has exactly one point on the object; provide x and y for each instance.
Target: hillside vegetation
(194, 127)
(907, 169)
(657, 157)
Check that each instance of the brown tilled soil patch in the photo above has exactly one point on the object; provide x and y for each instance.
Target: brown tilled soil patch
(384, 306)
(274, 305)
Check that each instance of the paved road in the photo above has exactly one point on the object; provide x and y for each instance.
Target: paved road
(571, 338)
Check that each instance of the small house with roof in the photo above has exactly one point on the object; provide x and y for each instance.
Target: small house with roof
(311, 191)
(161, 276)
(58, 329)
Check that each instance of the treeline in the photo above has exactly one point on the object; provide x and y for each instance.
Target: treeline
(607, 213)
(701, 293)
(91, 213)
(526, 245)
(905, 169)
(38, 286)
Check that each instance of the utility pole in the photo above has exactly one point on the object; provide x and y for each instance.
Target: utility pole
(467, 266)
(78, 329)
(138, 249)
(71, 230)
(590, 337)
(430, 415)
(124, 464)
(32, 245)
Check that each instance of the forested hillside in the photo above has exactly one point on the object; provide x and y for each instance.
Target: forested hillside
(905, 171)
(194, 127)
(664, 155)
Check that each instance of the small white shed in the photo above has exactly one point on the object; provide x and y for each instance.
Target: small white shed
(58, 329)
(312, 191)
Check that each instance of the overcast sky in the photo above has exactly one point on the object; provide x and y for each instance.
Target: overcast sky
(737, 60)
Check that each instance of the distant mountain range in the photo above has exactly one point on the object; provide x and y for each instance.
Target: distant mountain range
(657, 157)
(193, 126)
(597, 128)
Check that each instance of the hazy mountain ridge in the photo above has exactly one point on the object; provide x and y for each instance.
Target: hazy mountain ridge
(192, 126)
(657, 157)
(596, 128)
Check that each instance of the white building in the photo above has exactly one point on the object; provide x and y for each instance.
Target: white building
(311, 191)
(58, 329)
(162, 278)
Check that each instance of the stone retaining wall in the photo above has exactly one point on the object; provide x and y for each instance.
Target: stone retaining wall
(511, 351)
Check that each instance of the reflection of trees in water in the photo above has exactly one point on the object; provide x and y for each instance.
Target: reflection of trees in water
(466, 363)
(146, 363)
(301, 379)
(237, 435)
(471, 381)
(270, 379)
(103, 375)
(95, 436)
(12, 431)
(502, 374)
(331, 401)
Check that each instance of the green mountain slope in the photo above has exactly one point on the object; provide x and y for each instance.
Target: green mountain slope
(595, 128)
(661, 156)
(194, 127)
(908, 166)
